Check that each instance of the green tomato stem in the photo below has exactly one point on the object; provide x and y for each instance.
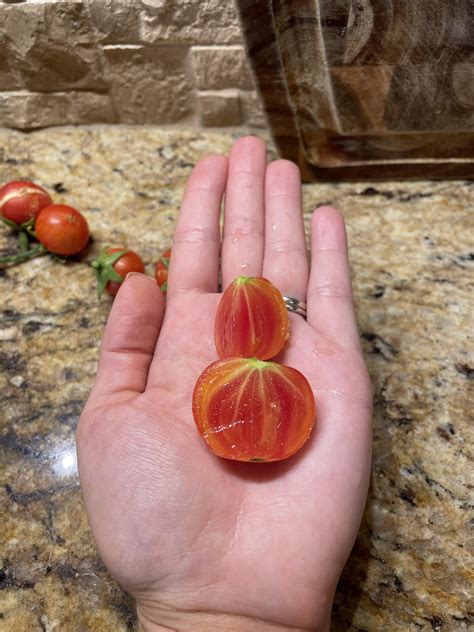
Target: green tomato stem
(11, 260)
(24, 243)
(255, 363)
(242, 280)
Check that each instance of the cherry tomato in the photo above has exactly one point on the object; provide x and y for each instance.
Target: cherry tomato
(22, 200)
(251, 320)
(249, 410)
(161, 272)
(62, 230)
(129, 262)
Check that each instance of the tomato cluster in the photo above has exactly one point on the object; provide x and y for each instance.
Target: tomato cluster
(114, 264)
(245, 407)
(44, 227)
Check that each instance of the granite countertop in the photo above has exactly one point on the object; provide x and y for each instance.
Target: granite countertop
(411, 252)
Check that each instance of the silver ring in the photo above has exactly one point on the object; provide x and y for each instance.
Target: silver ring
(294, 305)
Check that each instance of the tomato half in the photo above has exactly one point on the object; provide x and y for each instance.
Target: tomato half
(62, 230)
(21, 200)
(251, 320)
(129, 262)
(249, 410)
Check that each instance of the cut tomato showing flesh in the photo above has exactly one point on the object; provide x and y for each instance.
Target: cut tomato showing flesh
(249, 410)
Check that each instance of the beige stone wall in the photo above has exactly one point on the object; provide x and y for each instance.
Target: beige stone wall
(170, 62)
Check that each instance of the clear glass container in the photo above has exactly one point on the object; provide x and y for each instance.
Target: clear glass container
(367, 87)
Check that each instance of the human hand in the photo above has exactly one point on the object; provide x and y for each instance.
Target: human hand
(201, 542)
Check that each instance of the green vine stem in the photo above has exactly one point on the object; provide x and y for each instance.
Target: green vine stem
(24, 242)
(23, 255)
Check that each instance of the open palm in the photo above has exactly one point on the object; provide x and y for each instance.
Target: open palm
(200, 541)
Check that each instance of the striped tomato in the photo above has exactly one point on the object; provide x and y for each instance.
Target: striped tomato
(251, 320)
(21, 201)
(249, 410)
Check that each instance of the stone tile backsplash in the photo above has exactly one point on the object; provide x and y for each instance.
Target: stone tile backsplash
(124, 61)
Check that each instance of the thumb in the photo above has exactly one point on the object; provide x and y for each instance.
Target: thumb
(129, 340)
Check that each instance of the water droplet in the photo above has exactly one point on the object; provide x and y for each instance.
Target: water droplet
(244, 266)
(274, 227)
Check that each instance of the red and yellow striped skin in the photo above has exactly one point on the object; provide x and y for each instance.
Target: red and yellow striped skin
(249, 410)
(251, 320)
(21, 200)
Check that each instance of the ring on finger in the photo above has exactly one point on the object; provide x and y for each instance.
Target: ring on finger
(295, 305)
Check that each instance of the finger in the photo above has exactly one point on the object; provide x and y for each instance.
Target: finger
(285, 261)
(330, 308)
(242, 246)
(194, 264)
(129, 339)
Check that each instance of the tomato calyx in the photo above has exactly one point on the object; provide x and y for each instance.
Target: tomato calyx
(165, 261)
(104, 270)
(26, 226)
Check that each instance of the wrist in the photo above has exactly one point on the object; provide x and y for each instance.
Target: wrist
(160, 618)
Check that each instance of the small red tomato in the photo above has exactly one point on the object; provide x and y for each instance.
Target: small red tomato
(128, 262)
(251, 320)
(249, 410)
(161, 272)
(21, 200)
(62, 230)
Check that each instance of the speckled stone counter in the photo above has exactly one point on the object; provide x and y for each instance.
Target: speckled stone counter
(412, 257)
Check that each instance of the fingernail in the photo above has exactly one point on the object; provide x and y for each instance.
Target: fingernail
(140, 274)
